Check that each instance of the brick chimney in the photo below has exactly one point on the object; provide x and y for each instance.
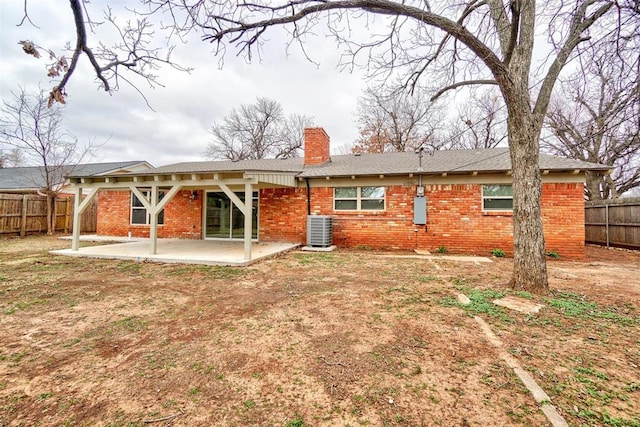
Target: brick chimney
(316, 146)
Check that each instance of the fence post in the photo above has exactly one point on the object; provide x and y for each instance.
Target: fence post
(67, 216)
(606, 220)
(23, 222)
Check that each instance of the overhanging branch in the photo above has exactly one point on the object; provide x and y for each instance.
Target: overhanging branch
(460, 84)
(57, 94)
(243, 34)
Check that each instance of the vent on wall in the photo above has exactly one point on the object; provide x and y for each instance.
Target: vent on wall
(319, 230)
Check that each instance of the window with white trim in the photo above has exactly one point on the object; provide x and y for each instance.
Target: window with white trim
(497, 197)
(358, 198)
(139, 214)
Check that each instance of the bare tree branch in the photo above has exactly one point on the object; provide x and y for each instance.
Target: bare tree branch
(258, 131)
(481, 123)
(138, 56)
(392, 120)
(579, 24)
(598, 120)
(27, 124)
(461, 84)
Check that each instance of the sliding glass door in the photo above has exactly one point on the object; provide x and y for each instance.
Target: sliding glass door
(223, 220)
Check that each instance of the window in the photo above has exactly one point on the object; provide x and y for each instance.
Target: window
(497, 197)
(139, 214)
(359, 199)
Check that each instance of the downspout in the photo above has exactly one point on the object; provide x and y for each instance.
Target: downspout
(308, 197)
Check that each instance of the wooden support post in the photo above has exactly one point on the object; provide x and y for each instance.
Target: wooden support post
(80, 206)
(154, 208)
(75, 240)
(153, 232)
(248, 220)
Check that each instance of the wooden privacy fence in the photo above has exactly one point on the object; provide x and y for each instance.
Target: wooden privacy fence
(613, 222)
(22, 214)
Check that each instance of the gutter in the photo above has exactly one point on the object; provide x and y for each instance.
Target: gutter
(308, 196)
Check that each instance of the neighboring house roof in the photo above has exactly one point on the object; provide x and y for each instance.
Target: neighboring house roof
(449, 161)
(32, 178)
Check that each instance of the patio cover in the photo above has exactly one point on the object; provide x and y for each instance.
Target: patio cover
(228, 181)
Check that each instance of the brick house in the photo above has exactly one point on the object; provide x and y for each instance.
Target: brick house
(459, 199)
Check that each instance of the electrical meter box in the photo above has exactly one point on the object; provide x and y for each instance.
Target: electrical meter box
(419, 210)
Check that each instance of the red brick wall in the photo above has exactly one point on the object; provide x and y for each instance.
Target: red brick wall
(282, 215)
(454, 219)
(563, 208)
(182, 216)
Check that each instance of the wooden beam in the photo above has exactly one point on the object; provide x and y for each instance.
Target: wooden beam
(140, 196)
(545, 172)
(474, 173)
(235, 199)
(444, 174)
(85, 202)
(167, 197)
(575, 172)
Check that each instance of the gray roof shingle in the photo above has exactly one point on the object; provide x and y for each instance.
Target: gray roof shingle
(450, 161)
(293, 165)
(32, 178)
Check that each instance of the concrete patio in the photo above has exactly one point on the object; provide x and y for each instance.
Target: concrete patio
(182, 251)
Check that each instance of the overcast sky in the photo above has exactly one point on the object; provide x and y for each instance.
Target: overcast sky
(178, 129)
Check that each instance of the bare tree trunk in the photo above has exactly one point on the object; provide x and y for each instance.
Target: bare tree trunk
(593, 186)
(530, 266)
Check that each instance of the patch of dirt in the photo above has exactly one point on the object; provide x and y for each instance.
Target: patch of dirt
(346, 338)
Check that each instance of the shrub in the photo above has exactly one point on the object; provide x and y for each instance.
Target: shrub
(553, 254)
(441, 249)
(499, 253)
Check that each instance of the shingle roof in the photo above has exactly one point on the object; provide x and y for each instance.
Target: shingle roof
(33, 177)
(294, 165)
(89, 169)
(450, 161)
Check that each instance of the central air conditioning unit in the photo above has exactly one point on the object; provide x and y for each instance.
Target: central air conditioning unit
(319, 230)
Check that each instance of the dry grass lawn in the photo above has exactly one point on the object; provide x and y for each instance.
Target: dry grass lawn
(346, 338)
